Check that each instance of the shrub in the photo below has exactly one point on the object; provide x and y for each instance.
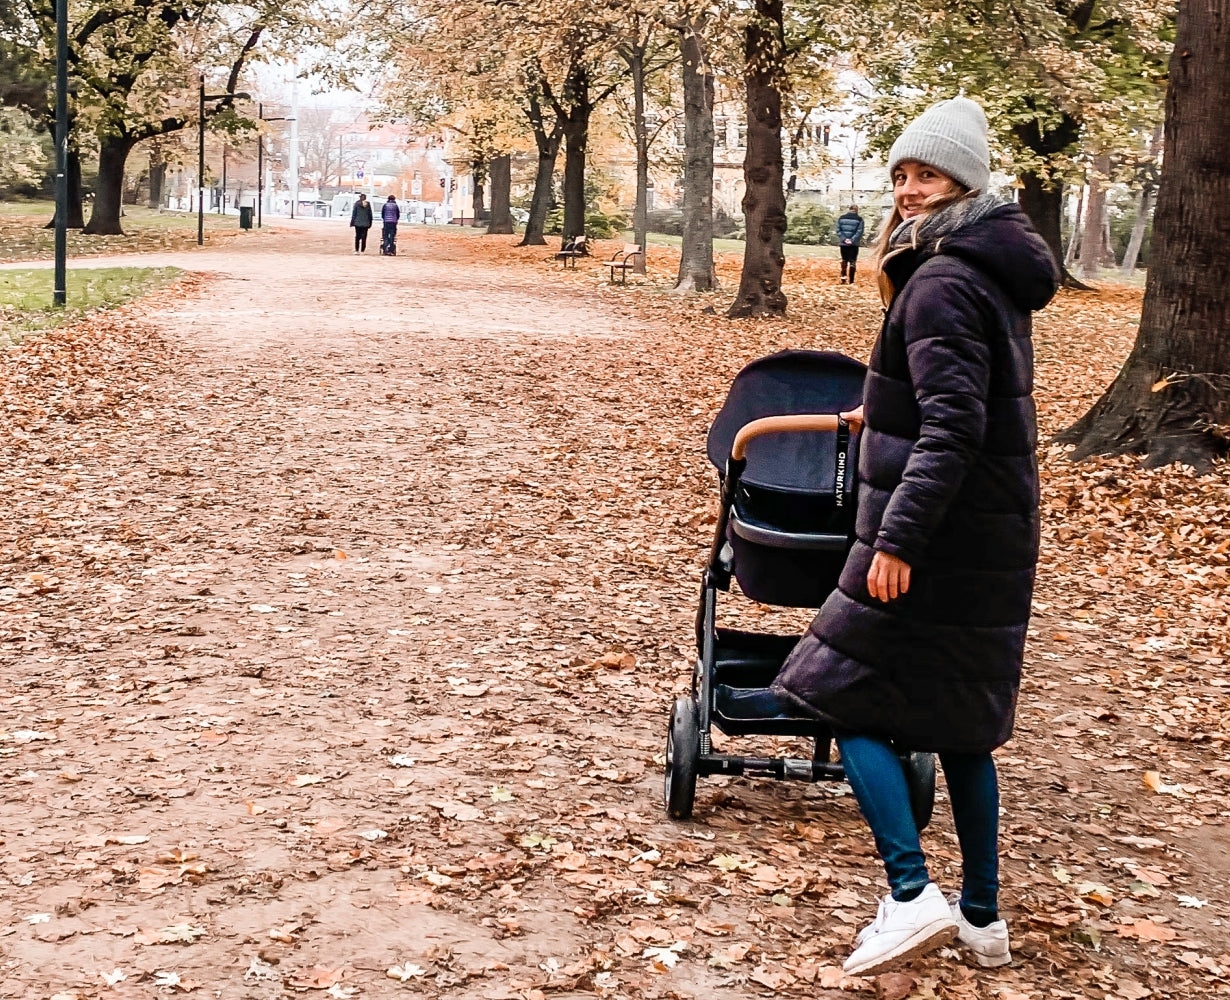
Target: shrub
(810, 224)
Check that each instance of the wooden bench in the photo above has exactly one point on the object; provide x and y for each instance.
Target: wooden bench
(571, 250)
(623, 260)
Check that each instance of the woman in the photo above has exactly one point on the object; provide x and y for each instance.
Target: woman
(921, 645)
(361, 222)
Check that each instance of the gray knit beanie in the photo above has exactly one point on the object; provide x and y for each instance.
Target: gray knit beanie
(950, 136)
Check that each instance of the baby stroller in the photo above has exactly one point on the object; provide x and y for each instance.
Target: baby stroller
(787, 467)
(388, 244)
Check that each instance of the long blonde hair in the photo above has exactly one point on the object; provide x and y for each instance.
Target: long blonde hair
(954, 193)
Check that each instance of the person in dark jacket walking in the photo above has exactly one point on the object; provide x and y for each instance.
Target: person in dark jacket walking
(389, 214)
(849, 238)
(921, 645)
(361, 221)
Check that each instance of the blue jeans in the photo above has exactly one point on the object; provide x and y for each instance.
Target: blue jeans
(875, 773)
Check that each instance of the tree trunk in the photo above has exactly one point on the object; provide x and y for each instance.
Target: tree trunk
(796, 139)
(540, 201)
(1043, 203)
(575, 135)
(640, 214)
(105, 217)
(1171, 400)
(1048, 136)
(76, 211)
(1074, 240)
(696, 273)
(1092, 250)
(476, 199)
(501, 222)
(157, 176)
(764, 200)
(1143, 204)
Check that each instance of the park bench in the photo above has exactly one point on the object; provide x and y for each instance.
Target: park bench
(623, 260)
(571, 250)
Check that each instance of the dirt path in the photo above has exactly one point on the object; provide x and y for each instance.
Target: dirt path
(344, 599)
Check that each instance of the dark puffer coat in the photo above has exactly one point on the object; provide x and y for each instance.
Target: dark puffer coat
(948, 482)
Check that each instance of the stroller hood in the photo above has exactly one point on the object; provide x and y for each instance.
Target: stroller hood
(786, 383)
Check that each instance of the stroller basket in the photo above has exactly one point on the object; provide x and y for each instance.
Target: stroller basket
(786, 463)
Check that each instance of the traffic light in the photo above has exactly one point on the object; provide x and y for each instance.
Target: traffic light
(826, 135)
(441, 182)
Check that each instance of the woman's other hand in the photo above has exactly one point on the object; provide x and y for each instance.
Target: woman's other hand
(854, 418)
(888, 578)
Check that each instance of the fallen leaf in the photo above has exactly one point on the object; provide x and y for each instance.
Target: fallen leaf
(1145, 930)
(318, 977)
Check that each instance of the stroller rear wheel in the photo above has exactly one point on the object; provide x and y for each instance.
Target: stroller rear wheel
(682, 758)
(920, 780)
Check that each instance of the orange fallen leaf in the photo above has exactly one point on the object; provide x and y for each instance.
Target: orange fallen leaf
(318, 977)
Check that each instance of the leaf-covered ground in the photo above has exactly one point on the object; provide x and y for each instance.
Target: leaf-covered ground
(343, 600)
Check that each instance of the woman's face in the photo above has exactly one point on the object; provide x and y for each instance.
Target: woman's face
(914, 183)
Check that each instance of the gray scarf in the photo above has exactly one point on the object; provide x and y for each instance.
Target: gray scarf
(950, 218)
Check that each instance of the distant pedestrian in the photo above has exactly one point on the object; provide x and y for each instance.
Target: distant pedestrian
(361, 221)
(849, 236)
(389, 214)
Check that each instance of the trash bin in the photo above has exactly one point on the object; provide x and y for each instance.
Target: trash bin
(245, 216)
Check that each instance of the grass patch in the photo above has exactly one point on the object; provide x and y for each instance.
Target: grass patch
(24, 236)
(25, 295)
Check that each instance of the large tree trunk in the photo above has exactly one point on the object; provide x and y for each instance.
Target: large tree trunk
(501, 222)
(576, 137)
(540, 201)
(640, 214)
(1171, 401)
(764, 200)
(105, 217)
(1092, 242)
(696, 273)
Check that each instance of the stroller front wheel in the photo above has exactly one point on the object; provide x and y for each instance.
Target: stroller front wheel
(682, 758)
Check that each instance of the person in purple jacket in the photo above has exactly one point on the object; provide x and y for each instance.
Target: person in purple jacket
(389, 215)
(921, 645)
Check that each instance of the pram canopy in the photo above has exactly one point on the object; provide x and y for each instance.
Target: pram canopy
(788, 382)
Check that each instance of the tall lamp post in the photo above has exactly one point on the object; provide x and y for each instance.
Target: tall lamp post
(200, 154)
(260, 159)
(59, 295)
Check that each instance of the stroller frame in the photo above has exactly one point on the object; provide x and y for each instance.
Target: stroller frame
(752, 660)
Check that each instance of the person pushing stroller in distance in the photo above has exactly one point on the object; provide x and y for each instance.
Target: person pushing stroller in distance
(921, 645)
(390, 213)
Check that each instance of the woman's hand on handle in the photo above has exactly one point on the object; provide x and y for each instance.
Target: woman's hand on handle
(854, 418)
(888, 578)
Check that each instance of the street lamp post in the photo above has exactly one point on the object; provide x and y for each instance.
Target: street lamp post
(59, 295)
(200, 167)
(260, 159)
(200, 153)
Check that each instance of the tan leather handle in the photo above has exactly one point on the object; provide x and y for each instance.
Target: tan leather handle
(778, 425)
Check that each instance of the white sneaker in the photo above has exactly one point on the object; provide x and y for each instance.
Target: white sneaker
(989, 944)
(901, 932)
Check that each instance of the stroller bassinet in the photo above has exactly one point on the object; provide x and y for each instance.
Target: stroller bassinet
(786, 465)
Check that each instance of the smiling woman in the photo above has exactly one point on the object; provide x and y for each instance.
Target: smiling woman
(25, 295)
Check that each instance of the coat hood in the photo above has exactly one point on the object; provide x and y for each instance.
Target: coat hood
(1005, 245)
